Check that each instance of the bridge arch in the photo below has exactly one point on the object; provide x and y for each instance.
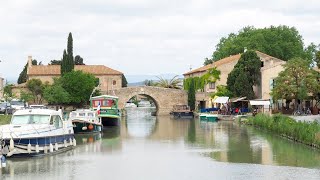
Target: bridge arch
(164, 98)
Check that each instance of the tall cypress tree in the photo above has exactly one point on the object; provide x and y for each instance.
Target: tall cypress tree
(70, 53)
(67, 62)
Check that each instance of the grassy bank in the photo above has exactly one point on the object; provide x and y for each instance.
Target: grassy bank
(304, 132)
(5, 119)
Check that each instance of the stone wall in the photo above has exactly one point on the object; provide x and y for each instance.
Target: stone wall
(164, 98)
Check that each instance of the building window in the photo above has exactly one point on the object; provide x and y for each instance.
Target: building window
(212, 85)
(114, 82)
(262, 63)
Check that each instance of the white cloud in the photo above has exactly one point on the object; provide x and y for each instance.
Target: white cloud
(138, 36)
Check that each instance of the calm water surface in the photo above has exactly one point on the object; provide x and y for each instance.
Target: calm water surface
(146, 147)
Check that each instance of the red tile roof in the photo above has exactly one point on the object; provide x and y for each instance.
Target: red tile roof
(51, 70)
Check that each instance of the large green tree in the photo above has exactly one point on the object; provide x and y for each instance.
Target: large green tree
(78, 60)
(56, 94)
(282, 42)
(245, 73)
(297, 81)
(124, 81)
(79, 86)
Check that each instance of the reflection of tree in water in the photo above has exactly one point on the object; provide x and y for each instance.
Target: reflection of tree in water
(192, 131)
(289, 153)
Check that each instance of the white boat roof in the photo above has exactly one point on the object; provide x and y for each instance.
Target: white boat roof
(37, 111)
(83, 110)
(104, 96)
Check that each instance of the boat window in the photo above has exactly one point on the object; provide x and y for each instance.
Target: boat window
(30, 119)
(56, 121)
(82, 114)
(108, 103)
(73, 114)
(96, 103)
(90, 115)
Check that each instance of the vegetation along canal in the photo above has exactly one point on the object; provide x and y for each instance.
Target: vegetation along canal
(147, 147)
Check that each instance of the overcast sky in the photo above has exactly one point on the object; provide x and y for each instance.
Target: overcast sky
(138, 36)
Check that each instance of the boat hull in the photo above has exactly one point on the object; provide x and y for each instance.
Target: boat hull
(27, 146)
(110, 120)
(208, 117)
(85, 127)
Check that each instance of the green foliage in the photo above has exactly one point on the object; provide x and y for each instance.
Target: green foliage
(78, 60)
(296, 81)
(5, 119)
(56, 94)
(174, 83)
(149, 83)
(67, 62)
(79, 85)
(207, 61)
(317, 58)
(283, 125)
(212, 75)
(7, 91)
(124, 81)
(55, 62)
(191, 94)
(36, 88)
(245, 74)
(222, 91)
(23, 75)
(282, 42)
(26, 96)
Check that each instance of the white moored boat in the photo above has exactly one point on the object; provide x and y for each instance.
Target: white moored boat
(85, 121)
(34, 132)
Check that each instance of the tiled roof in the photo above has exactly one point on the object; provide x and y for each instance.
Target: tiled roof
(51, 70)
(228, 60)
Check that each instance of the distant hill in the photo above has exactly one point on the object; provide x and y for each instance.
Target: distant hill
(133, 79)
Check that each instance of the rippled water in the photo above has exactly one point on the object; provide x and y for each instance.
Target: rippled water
(146, 147)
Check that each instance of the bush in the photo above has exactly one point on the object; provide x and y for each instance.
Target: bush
(304, 132)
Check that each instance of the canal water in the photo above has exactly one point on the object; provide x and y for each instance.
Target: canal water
(147, 147)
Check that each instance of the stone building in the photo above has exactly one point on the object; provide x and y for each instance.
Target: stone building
(270, 68)
(109, 79)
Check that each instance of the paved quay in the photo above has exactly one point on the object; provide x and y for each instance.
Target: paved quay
(309, 118)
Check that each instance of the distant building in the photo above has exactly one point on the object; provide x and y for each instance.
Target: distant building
(109, 79)
(270, 68)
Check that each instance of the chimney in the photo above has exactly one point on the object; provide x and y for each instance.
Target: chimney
(29, 63)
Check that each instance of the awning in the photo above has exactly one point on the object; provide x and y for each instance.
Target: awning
(238, 99)
(260, 103)
(222, 100)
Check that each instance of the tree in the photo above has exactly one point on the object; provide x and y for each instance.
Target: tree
(67, 62)
(317, 58)
(174, 83)
(55, 62)
(26, 96)
(56, 94)
(23, 75)
(247, 70)
(36, 88)
(207, 61)
(149, 82)
(78, 60)
(296, 81)
(7, 91)
(282, 42)
(222, 91)
(79, 85)
(124, 81)
(191, 95)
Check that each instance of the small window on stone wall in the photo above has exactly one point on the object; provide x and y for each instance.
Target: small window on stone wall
(212, 85)
(114, 82)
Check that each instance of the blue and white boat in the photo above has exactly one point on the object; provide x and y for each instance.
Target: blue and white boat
(34, 132)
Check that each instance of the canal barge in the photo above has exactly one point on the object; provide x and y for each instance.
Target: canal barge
(85, 121)
(35, 132)
(107, 109)
(181, 111)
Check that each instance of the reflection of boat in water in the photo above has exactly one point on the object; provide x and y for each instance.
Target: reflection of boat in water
(141, 126)
(85, 121)
(34, 132)
(87, 138)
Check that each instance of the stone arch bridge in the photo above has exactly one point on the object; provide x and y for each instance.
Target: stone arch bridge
(164, 98)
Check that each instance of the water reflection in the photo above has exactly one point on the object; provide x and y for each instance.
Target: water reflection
(173, 149)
